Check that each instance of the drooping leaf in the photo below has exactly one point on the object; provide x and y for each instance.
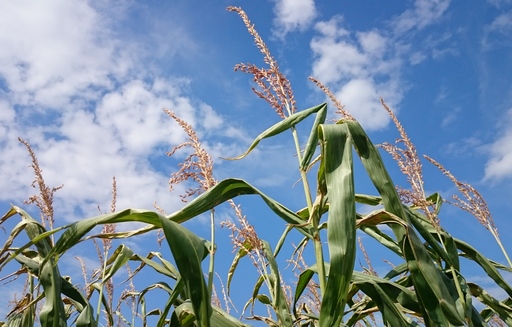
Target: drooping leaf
(278, 297)
(285, 125)
(429, 284)
(242, 252)
(52, 313)
(229, 189)
(503, 310)
(312, 143)
(341, 232)
(117, 260)
(189, 251)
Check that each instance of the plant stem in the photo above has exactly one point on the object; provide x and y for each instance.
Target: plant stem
(452, 269)
(319, 255)
(497, 238)
(212, 253)
(98, 309)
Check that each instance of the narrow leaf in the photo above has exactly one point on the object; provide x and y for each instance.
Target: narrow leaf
(229, 189)
(282, 126)
(312, 143)
(278, 297)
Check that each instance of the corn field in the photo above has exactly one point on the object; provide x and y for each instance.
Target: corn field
(427, 288)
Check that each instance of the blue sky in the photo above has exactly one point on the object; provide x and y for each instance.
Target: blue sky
(85, 83)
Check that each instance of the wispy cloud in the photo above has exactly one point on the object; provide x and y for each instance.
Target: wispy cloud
(499, 3)
(466, 147)
(502, 23)
(497, 32)
(423, 14)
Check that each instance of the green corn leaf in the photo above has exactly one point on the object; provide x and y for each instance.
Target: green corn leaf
(491, 271)
(184, 316)
(437, 200)
(382, 238)
(158, 285)
(278, 297)
(281, 240)
(242, 252)
(503, 310)
(378, 217)
(312, 143)
(108, 313)
(35, 231)
(220, 318)
(117, 260)
(396, 271)
(470, 252)
(341, 233)
(74, 233)
(360, 198)
(284, 125)
(394, 292)
(162, 321)
(255, 291)
(302, 284)
(496, 264)
(391, 313)
(372, 162)
(86, 311)
(188, 251)
(171, 300)
(426, 230)
(263, 299)
(429, 285)
(52, 313)
(166, 268)
(229, 189)
(31, 260)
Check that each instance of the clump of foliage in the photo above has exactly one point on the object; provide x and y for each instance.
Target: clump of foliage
(427, 288)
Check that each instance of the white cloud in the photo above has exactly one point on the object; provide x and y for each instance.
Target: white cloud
(59, 50)
(337, 59)
(134, 114)
(90, 109)
(424, 13)
(362, 99)
(209, 118)
(117, 138)
(362, 66)
(499, 164)
(373, 43)
(359, 68)
(293, 15)
(7, 115)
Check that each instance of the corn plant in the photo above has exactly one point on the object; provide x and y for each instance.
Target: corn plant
(427, 287)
